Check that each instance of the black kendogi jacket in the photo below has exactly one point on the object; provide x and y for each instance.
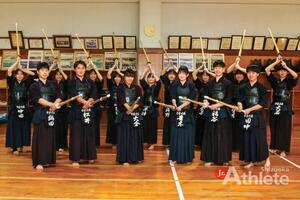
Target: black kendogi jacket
(201, 87)
(222, 91)
(86, 88)
(282, 92)
(128, 95)
(151, 94)
(250, 96)
(18, 92)
(185, 90)
(48, 91)
(168, 85)
(112, 88)
(236, 86)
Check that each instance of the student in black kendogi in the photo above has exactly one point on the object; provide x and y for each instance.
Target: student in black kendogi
(18, 125)
(280, 109)
(114, 79)
(151, 86)
(251, 101)
(130, 149)
(167, 77)
(45, 97)
(81, 117)
(61, 120)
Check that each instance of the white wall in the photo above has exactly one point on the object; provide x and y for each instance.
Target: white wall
(225, 19)
(205, 18)
(86, 19)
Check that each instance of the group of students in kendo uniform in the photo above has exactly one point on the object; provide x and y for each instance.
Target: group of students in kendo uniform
(133, 112)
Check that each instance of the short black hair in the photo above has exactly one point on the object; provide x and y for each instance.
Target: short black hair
(172, 71)
(79, 62)
(218, 63)
(150, 74)
(183, 69)
(239, 72)
(129, 73)
(42, 65)
(114, 74)
(254, 68)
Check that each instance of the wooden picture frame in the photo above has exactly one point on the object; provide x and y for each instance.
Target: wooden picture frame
(34, 58)
(107, 42)
(281, 43)
(67, 60)
(236, 42)
(130, 42)
(91, 43)
(9, 57)
(225, 43)
(13, 39)
(292, 44)
(35, 43)
(173, 42)
(128, 60)
(196, 43)
(185, 42)
(259, 43)
(269, 45)
(248, 43)
(214, 57)
(119, 42)
(48, 57)
(187, 60)
(98, 60)
(62, 41)
(298, 47)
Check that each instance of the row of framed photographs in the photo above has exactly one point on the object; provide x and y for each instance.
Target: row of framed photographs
(192, 61)
(234, 43)
(102, 61)
(65, 41)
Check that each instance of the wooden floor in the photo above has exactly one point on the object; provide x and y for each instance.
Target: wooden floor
(153, 179)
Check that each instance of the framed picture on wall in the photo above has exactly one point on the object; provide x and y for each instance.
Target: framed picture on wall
(298, 46)
(66, 60)
(292, 44)
(259, 42)
(173, 42)
(107, 42)
(109, 59)
(62, 41)
(13, 39)
(98, 60)
(198, 60)
(91, 43)
(269, 45)
(248, 43)
(173, 56)
(80, 55)
(130, 42)
(236, 42)
(187, 60)
(128, 60)
(225, 43)
(185, 42)
(281, 43)
(119, 42)
(9, 57)
(34, 58)
(213, 58)
(35, 43)
(196, 43)
(48, 57)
